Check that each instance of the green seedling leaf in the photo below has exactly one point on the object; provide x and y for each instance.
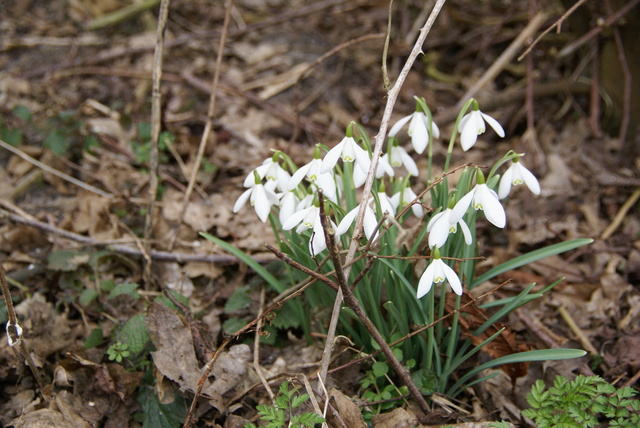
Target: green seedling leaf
(169, 304)
(95, 338)
(232, 325)
(87, 296)
(380, 368)
(157, 415)
(22, 112)
(58, 142)
(531, 257)
(11, 136)
(134, 334)
(240, 299)
(128, 289)
(426, 381)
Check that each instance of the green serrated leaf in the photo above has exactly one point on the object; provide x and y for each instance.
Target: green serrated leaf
(157, 415)
(240, 299)
(128, 289)
(135, 334)
(297, 400)
(58, 142)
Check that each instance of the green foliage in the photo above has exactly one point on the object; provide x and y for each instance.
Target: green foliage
(586, 401)
(158, 415)
(118, 352)
(141, 146)
(282, 412)
(95, 338)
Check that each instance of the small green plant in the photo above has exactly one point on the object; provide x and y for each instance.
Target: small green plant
(281, 412)
(118, 352)
(587, 401)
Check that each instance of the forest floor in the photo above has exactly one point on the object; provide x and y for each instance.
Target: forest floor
(76, 101)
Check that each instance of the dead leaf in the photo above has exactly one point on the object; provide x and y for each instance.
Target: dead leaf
(504, 344)
(175, 356)
(398, 418)
(346, 408)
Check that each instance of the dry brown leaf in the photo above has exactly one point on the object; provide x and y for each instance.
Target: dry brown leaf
(347, 409)
(398, 418)
(175, 356)
(471, 318)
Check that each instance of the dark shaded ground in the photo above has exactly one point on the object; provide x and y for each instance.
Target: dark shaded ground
(75, 99)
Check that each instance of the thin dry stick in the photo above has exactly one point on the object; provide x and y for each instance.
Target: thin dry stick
(352, 302)
(14, 333)
(420, 330)
(209, 367)
(571, 47)
(119, 246)
(624, 209)
(392, 96)
(505, 58)
(156, 113)
(627, 77)
(556, 24)
(208, 125)
(256, 349)
(47, 168)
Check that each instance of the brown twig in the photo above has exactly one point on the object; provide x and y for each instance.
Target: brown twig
(209, 367)
(380, 138)
(53, 171)
(156, 113)
(556, 24)
(352, 302)
(119, 247)
(317, 275)
(421, 329)
(207, 128)
(118, 52)
(627, 77)
(612, 19)
(14, 333)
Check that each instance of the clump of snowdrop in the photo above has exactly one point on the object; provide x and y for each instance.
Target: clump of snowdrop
(299, 210)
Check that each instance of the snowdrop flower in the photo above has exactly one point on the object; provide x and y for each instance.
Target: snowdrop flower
(404, 198)
(517, 174)
(473, 124)
(309, 218)
(274, 173)
(398, 156)
(386, 203)
(440, 226)
(349, 151)
(311, 172)
(260, 197)
(370, 222)
(437, 272)
(287, 204)
(482, 198)
(418, 129)
(359, 177)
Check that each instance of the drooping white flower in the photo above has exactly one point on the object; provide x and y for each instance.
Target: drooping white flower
(404, 197)
(370, 222)
(305, 219)
(440, 226)
(438, 271)
(310, 171)
(398, 156)
(482, 198)
(288, 203)
(473, 124)
(386, 204)
(270, 170)
(517, 174)
(349, 151)
(261, 199)
(418, 130)
(359, 176)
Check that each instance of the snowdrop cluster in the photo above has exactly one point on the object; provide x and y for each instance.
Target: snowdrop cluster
(277, 183)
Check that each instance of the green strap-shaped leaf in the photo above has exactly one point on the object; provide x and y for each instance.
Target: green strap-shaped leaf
(531, 257)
